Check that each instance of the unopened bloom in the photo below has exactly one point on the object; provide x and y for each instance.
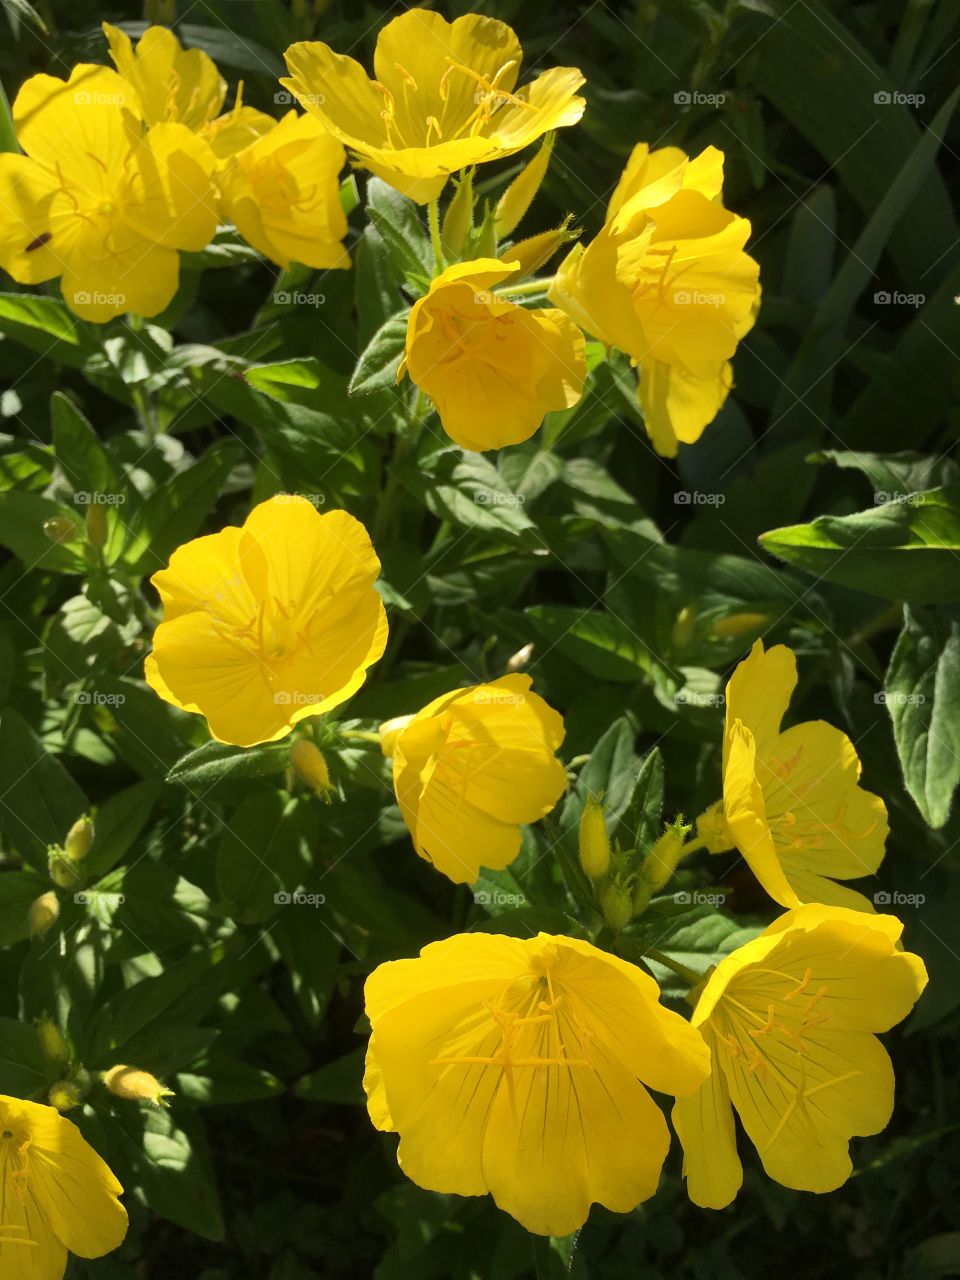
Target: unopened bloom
(43, 914)
(520, 1067)
(308, 761)
(58, 1196)
(183, 86)
(471, 767)
(492, 368)
(136, 1085)
(283, 194)
(96, 200)
(668, 282)
(269, 623)
(593, 840)
(443, 97)
(790, 1020)
(792, 801)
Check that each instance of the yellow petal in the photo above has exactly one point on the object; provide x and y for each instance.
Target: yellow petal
(174, 84)
(743, 808)
(178, 206)
(28, 251)
(141, 278)
(705, 1126)
(679, 403)
(759, 692)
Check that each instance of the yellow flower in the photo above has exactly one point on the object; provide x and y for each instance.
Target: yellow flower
(519, 1068)
(269, 623)
(491, 367)
(175, 85)
(183, 86)
(471, 767)
(668, 282)
(792, 803)
(58, 1196)
(789, 1019)
(97, 201)
(444, 96)
(283, 194)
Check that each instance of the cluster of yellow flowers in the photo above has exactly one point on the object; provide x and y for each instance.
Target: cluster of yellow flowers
(518, 1068)
(122, 169)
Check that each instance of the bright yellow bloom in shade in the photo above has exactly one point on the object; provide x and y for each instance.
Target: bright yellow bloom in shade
(97, 201)
(57, 1195)
(790, 1021)
(520, 1068)
(668, 282)
(492, 368)
(283, 194)
(444, 96)
(269, 623)
(183, 86)
(471, 767)
(792, 803)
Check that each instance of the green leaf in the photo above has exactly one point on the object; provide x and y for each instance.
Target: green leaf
(338, 1081)
(47, 326)
(217, 762)
(894, 476)
(599, 642)
(922, 695)
(469, 491)
(173, 513)
(905, 550)
(379, 361)
(22, 517)
(310, 950)
(261, 854)
(23, 1070)
(40, 799)
(118, 823)
(398, 221)
(640, 824)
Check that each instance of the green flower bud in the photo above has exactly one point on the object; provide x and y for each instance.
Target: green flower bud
(616, 906)
(458, 220)
(43, 914)
(594, 841)
(79, 839)
(52, 1042)
(60, 529)
(64, 1095)
(96, 526)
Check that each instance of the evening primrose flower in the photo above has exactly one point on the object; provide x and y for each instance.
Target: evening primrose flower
(471, 767)
(792, 803)
(668, 282)
(520, 1067)
(283, 194)
(790, 1021)
(443, 97)
(97, 201)
(492, 368)
(58, 1196)
(183, 86)
(269, 623)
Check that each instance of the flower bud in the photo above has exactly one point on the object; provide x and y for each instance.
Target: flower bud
(63, 872)
(594, 841)
(485, 245)
(661, 861)
(64, 1095)
(79, 839)
(60, 529)
(738, 624)
(307, 759)
(458, 220)
(137, 1085)
(52, 1042)
(518, 197)
(531, 254)
(616, 906)
(520, 658)
(43, 914)
(684, 627)
(390, 731)
(96, 526)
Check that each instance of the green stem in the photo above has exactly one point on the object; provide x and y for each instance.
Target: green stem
(891, 616)
(691, 846)
(433, 216)
(651, 953)
(8, 135)
(140, 397)
(529, 286)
